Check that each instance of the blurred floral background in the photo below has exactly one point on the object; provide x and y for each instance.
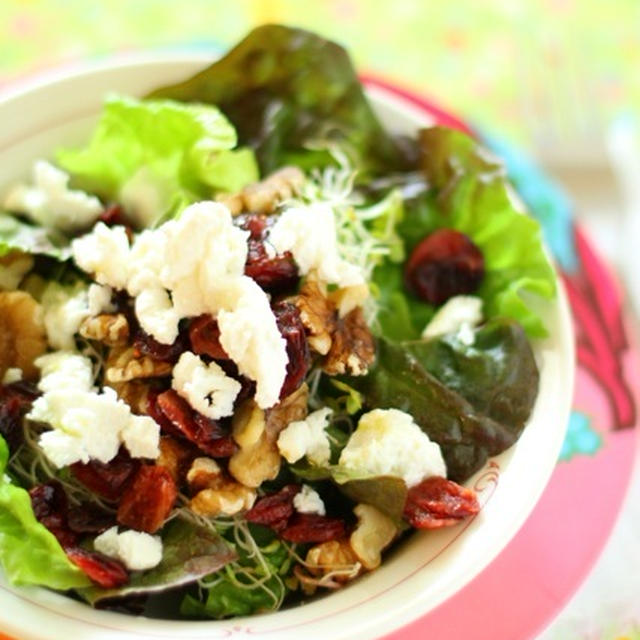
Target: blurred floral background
(500, 62)
(558, 78)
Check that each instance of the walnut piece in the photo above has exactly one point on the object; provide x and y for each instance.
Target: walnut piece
(175, 457)
(135, 393)
(264, 196)
(215, 493)
(333, 556)
(290, 409)
(22, 333)
(318, 315)
(123, 366)
(258, 458)
(110, 328)
(374, 533)
(353, 348)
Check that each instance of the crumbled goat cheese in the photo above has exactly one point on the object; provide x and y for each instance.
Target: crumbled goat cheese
(64, 370)
(307, 500)
(64, 309)
(206, 387)
(250, 336)
(51, 203)
(191, 266)
(389, 442)
(11, 375)
(309, 233)
(104, 253)
(85, 424)
(138, 551)
(99, 299)
(457, 315)
(12, 273)
(307, 437)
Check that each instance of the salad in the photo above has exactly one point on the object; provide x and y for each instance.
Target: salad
(250, 340)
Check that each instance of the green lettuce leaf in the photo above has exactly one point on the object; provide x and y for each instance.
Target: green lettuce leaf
(21, 236)
(189, 552)
(288, 91)
(171, 153)
(233, 593)
(469, 192)
(29, 553)
(472, 401)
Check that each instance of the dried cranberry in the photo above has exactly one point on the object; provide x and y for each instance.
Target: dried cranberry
(106, 479)
(15, 401)
(204, 336)
(104, 571)
(292, 330)
(437, 502)
(147, 345)
(183, 421)
(444, 264)
(255, 224)
(112, 215)
(313, 528)
(148, 500)
(274, 273)
(11, 423)
(211, 438)
(274, 510)
(88, 518)
(50, 507)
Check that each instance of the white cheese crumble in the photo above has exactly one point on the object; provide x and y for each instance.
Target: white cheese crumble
(104, 253)
(13, 269)
(11, 375)
(457, 315)
(309, 232)
(250, 336)
(51, 203)
(85, 424)
(389, 442)
(99, 299)
(187, 267)
(206, 387)
(307, 437)
(64, 309)
(307, 500)
(138, 551)
(64, 370)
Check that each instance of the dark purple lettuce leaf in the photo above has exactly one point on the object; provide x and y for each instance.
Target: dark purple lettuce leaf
(285, 89)
(190, 552)
(472, 401)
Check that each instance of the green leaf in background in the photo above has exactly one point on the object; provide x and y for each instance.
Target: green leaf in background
(466, 436)
(468, 192)
(18, 235)
(29, 553)
(189, 552)
(287, 90)
(165, 154)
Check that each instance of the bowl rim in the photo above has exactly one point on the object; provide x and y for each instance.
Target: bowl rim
(382, 97)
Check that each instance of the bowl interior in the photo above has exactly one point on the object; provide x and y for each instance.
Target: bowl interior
(422, 572)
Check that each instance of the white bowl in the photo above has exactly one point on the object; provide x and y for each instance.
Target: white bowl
(420, 574)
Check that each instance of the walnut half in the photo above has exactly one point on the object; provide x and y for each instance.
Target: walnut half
(22, 333)
(215, 493)
(123, 366)
(353, 348)
(264, 196)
